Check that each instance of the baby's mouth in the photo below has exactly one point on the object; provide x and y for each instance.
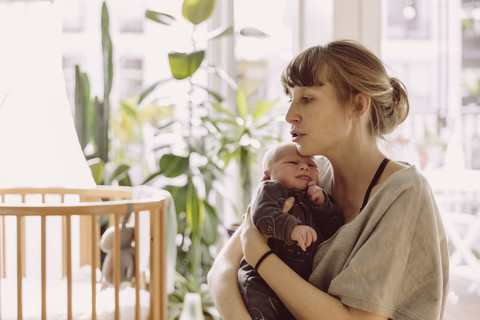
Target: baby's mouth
(304, 177)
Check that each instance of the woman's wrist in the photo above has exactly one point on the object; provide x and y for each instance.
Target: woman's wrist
(263, 257)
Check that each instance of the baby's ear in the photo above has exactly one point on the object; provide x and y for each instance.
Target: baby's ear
(266, 175)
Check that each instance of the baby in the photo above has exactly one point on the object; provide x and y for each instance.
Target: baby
(293, 235)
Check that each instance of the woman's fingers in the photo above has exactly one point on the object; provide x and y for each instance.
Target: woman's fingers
(289, 202)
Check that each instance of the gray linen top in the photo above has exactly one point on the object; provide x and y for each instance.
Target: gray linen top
(392, 259)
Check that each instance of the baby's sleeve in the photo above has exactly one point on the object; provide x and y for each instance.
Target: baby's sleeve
(267, 213)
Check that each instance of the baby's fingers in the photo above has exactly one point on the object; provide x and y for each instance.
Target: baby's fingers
(311, 237)
(302, 245)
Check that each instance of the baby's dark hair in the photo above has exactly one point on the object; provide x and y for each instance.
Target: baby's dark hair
(352, 69)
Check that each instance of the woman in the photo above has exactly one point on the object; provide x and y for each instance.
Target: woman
(389, 260)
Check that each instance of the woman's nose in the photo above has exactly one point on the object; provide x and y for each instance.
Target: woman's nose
(291, 116)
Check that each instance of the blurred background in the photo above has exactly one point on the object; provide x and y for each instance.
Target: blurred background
(160, 98)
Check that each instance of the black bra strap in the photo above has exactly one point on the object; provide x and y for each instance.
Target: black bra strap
(374, 181)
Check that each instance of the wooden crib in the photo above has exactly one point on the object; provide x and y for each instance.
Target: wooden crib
(113, 202)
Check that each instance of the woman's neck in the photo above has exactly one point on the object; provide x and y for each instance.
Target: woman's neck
(352, 175)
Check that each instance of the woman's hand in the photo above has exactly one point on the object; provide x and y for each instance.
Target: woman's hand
(254, 243)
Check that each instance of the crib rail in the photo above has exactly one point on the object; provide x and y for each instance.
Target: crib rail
(103, 200)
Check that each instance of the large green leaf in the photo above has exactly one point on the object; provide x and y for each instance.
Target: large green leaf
(197, 11)
(101, 136)
(184, 65)
(82, 106)
(97, 166)
(150, 89)
(151, 177)
(103, 107)
(262, 107)
(219, 108)
(179, 194)
(195, 216)
(159, 17)
(107, 51)
(172, 165)
(210, 232)
(195, 210)
(120, 174)
(242, 106)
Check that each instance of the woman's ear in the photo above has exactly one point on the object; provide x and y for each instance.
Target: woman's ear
(361, 104)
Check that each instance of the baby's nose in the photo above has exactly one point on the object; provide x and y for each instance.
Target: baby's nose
(303, 166)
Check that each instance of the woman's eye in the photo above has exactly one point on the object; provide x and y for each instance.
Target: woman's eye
(306, 99)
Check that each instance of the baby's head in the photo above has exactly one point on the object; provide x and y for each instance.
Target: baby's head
(283, 163)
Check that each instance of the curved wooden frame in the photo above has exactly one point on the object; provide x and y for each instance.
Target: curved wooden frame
(102, 200)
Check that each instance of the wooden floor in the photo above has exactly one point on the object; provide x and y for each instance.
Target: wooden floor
(463, 300)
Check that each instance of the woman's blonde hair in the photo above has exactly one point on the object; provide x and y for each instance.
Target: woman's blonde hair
(352, 69)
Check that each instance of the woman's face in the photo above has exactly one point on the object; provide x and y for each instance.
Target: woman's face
(318, 120)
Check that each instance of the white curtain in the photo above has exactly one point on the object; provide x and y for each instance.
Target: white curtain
(38, 143)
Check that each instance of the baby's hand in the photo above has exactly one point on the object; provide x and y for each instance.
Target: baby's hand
(304, 235)
(315, 193)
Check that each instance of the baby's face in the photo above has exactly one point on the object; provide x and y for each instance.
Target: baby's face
(293, 169)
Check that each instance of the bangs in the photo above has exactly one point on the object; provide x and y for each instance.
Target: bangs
(305, 70)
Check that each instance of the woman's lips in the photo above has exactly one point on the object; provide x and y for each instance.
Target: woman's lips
(296, 136)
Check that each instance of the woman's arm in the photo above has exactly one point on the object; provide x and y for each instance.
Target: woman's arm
(302, 299)
(222, 280)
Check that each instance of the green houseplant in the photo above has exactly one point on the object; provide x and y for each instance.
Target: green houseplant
(243, 132)
(212, 137)
(92, 116)
(188, 171)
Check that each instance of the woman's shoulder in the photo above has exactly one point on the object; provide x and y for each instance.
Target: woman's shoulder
(403, 183)
(399, 177)
(405, 174)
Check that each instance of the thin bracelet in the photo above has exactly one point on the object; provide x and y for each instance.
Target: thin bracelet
(269, 252)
